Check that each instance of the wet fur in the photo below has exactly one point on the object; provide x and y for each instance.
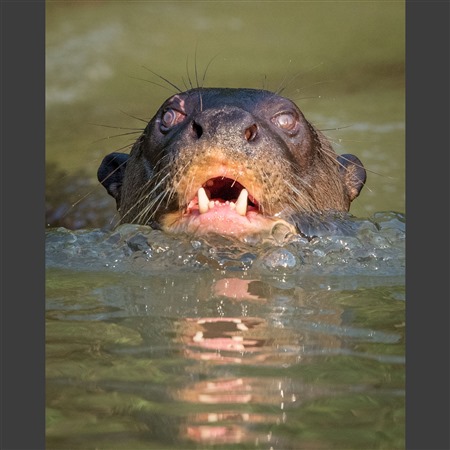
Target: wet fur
(305, 177)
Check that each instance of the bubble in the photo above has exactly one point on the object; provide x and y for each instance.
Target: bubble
(280, 259)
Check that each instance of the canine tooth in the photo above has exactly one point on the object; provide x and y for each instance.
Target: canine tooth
(203, 201)
(241, 203)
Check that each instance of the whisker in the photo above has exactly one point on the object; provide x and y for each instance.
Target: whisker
(201, 100)
(134, 117)
(135, 204)
(148, 211)
(367, 170)
(294, 77)
(124, 147)
(334, 129)
(264, 85)
(114, 127)
(163, 78)
(187, 72)
(131, 133)
(186, 87)
(281, 88)
(195, 65)
(155, 84)
(112, 172)
(207, 67)
(154, 205)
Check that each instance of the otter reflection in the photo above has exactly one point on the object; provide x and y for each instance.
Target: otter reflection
(231, 404)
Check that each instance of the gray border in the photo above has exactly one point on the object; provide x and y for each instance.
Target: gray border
(22, 237)
(427, 179)
(22, 225)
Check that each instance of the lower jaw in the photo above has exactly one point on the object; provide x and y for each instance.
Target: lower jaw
(240, 227)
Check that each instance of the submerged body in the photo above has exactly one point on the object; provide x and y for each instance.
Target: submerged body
(234, 162)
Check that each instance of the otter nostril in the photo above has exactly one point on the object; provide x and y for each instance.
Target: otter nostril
(198, 130)
(251, 132)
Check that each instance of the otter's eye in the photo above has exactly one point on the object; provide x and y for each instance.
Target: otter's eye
(286, 121)
(170, 118)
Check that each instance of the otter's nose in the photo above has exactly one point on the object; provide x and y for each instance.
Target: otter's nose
(230, 124)
(251, 132)
(197, 128)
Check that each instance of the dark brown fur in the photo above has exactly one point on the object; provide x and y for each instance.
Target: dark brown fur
(252, 137)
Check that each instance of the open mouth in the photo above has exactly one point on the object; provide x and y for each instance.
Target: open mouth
(224, 206)
(219, 193)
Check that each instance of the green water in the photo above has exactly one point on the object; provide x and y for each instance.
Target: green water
(205, 358)
(223, 355)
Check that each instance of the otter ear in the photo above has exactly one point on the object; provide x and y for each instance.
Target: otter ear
(353, 173)
(111, 173)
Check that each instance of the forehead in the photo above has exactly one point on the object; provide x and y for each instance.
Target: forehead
(206, 98)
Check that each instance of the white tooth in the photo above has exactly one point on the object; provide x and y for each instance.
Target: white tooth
(232, 205)
(203, 201)
(211, 204)
(241, 203)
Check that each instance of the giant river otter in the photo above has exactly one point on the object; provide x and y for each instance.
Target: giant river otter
(235, 162)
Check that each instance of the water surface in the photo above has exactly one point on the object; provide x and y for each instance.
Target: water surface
(156, 341)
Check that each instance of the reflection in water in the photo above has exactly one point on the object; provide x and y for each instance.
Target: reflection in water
(236, 382)
(224, 361)
(236, 405)
(224, 341)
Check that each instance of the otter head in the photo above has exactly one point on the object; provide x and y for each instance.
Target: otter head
(229, 161)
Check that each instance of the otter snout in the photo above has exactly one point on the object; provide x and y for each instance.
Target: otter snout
(226, 123)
